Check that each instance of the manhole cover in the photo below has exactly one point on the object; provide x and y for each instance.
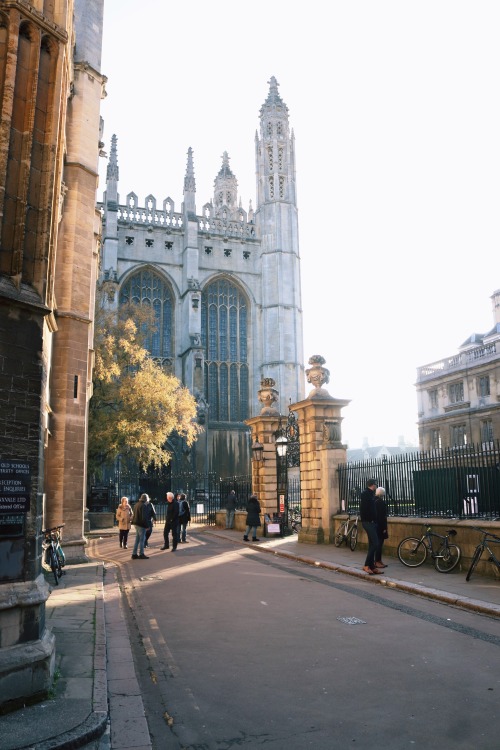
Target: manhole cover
(150, 578)
(352, 620)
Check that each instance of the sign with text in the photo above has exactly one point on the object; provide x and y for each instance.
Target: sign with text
(15, 485)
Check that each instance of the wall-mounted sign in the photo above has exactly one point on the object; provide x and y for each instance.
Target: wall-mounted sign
(11, 525)
(15, 485)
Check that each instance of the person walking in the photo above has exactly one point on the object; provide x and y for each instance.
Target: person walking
(151, 519)
(171, 522)
(184, 517)
(253, 518)
(368, 521)
(139, 520)
(230, 509)
(381, 523)
(124, 518)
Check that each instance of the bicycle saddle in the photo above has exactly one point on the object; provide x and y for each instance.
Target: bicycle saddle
(452, 532)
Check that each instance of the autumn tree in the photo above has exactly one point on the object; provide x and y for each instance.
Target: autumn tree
(135, 405)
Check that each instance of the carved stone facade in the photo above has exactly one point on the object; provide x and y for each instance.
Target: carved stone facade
(459, 396)
(224, 283)
(50, 92)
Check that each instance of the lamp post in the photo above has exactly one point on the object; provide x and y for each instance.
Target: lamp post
(282, 475)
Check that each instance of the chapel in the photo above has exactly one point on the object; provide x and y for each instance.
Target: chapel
(224, 284)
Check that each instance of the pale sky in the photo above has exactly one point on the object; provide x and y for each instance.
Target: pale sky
(396, 112)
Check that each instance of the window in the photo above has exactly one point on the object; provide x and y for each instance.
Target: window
(484, 385)
(148, 288)
(435, 439)
(456, 392)
(458, 435)
(433, 398)
(224, 338)
(487, 431)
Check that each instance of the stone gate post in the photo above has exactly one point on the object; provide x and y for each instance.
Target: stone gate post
(321, 451)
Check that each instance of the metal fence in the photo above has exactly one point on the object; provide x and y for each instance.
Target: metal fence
(459, 482)
(205, 493)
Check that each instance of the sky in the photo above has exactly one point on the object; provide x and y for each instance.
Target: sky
(395, 106)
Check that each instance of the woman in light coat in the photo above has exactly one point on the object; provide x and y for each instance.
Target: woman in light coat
(124, 518)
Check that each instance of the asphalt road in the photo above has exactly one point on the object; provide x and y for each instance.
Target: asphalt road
(235, 648)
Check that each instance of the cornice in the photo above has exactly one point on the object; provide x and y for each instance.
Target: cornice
(29, 12)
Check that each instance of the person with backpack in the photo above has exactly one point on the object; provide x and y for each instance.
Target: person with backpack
(141, 523)
(150, 512)
(184, 516)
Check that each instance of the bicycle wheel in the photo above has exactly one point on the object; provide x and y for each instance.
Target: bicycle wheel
(339, 537)
(475, 559)
(354, 538)
(55, 565)
(412, 552)
(448, 558)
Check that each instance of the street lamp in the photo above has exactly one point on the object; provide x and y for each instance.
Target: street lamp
(281, 444)
(257, 451)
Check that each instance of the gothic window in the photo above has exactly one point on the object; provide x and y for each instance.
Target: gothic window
(150, 243)
(227, 252)
(282, 187)
(271, 187)
(129, 240)
(279, 128)
(280, 159)
(269, 128)
(270, 157)
(148, 288)
(224, 338)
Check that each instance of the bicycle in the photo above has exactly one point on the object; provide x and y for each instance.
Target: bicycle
(54, 555)
(413, 552)
(347, 533)
(483, 545)
(296, 520)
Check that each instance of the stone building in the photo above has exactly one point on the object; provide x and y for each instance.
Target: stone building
(224, 284)
(459, 396)
(50, 93)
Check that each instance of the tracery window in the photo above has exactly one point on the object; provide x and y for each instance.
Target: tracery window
(282, 187)
(148, 288)
(280, 159)
(224, 334)
(270, 156)
(271, 187)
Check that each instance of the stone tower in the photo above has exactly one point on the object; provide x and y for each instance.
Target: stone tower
(225, 284)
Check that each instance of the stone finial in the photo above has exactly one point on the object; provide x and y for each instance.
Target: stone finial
(268, 395)
(318, 375)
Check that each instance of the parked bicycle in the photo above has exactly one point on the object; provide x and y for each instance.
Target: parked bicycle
(484, 544)
(348, 533)
(413, 552)
(295, 519)
(54, 556)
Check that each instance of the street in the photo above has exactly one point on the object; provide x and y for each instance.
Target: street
(237, 648)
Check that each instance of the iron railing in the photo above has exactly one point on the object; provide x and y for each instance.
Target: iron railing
(460, 482)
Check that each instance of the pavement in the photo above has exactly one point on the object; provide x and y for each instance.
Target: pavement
(95, 685)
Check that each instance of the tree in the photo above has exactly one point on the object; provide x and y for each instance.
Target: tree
(135, 404)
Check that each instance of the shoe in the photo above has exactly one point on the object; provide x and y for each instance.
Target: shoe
(143, 557)
(135, 557)
(146, 545)
(376, 570)
(380, 565)
(254, 539)
(368, 570)
(121, 545)
(125, 546)
(245, 539)
(186, 541)
(163, 547)
(174, 549)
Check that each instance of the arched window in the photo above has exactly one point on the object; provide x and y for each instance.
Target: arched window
(148, 288)
(224, 338)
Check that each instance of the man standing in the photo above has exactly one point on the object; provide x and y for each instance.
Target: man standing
(150, 513)
(140, 522)
(171, 522)
(367, 514)
(230, 508)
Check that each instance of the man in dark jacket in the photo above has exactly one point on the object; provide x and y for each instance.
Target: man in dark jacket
(139, 520)
(368, 518)
(171, 522)
(230, 509)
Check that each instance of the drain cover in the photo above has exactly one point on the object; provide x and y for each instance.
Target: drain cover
(352, 620)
